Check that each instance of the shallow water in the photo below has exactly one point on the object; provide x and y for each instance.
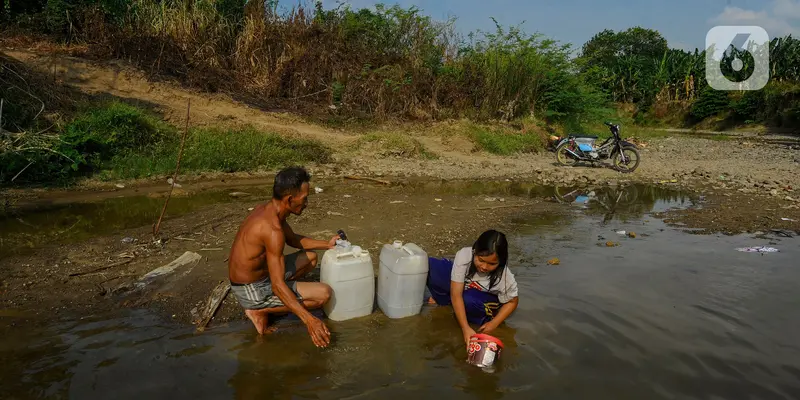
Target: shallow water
(667, 314)
(23, 231)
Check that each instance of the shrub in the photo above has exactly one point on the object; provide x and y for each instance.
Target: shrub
(97, 135)
(506, 142)
(218, 150)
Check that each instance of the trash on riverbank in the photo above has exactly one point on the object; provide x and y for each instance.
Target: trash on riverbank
(188, 258)
(757, 249)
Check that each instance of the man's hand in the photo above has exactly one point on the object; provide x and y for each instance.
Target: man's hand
(319, 333)
(332, 242)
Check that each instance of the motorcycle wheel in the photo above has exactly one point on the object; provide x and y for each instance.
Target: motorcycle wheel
(632, 162)
(563, 157)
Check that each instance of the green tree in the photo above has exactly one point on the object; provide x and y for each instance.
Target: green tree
(624, 64)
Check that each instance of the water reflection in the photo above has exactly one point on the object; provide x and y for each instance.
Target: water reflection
(75, 222)
(624, 203)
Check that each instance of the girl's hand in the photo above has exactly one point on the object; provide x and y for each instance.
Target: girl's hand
(487, 327)
(468, 332)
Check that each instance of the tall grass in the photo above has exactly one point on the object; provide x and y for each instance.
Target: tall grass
(505, 142)
(383, 63)
(217, 150)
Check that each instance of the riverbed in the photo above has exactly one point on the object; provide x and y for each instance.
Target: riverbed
(658, 312)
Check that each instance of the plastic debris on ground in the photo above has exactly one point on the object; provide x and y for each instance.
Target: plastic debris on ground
(757, 249)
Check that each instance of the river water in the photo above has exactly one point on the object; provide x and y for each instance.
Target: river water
(666, 315)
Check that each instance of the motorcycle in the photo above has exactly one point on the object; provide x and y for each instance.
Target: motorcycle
(574, 148)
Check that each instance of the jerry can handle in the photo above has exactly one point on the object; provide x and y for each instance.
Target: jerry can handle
(357, 251)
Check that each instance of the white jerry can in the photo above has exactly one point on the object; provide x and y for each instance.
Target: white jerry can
(349, 272)
(402, 275)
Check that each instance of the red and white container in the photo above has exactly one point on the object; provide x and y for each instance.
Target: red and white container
(483, 350)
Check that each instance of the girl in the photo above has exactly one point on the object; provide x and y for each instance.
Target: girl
(477, 283)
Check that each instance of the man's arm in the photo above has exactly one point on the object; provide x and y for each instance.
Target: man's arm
(304, 243)
(277, 271)
(277, 275)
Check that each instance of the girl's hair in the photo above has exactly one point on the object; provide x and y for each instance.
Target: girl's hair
(488, 243)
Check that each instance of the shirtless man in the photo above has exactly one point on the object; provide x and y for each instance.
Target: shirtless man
(264, 280)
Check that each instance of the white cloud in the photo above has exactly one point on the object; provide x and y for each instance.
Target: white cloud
(777, 20)
(787, 9)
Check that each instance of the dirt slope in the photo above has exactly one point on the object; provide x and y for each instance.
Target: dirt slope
(743, 164)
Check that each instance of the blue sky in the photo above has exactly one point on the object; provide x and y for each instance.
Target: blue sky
(683, 23)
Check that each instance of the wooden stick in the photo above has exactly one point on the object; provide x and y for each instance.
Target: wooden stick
(23, 170)
(116, 264)
(489, 208)
(177, 168)
(362, 178)
(212, 304)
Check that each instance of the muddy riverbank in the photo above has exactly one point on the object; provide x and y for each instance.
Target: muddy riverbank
(93, 253)
(77, 258)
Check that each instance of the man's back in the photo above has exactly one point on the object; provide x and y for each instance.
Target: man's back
(248, 258)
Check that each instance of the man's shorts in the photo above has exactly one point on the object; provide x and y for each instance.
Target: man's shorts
(259, 295)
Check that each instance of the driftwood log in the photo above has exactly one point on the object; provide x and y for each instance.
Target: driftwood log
(215, 299)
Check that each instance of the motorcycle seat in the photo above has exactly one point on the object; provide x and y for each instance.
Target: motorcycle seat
(578, 136)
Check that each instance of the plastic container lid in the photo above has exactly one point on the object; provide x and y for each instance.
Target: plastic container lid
(488, 338)
(397, 244)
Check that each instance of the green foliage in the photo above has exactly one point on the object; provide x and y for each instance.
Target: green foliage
(217, 150)
(504, 142)
(749, 106)
(119, 141)
(624, 64)
(710, 102)
(96, 136)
